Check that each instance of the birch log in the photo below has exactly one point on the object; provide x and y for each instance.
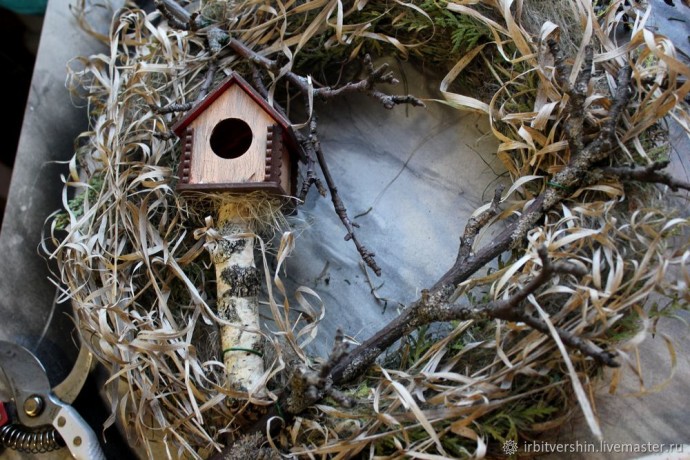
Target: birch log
(237, 289)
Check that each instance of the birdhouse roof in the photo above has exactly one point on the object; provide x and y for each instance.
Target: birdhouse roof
(234, 79)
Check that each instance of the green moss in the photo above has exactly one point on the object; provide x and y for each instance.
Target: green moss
(625, 328)
(516, 418)
(76, 204)
(441, 36)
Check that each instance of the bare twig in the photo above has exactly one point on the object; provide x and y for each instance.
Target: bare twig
(311, 178)
(313, 146)
(171, 108)
(475, 224)
(650, 173)
(258, 81)
(577, 94)
(217, 38)
(176, 16)
(366, 85)
(208, 81)
(374, 76)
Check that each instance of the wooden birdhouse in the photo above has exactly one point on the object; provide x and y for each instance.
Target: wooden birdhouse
(233, 140)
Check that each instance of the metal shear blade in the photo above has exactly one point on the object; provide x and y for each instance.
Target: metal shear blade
(28, 385)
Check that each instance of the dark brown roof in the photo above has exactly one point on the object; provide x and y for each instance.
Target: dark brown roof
(232, 79)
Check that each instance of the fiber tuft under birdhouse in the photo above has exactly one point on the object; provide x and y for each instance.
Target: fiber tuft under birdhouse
(233, 140)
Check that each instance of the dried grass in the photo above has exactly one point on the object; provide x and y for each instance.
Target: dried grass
(133, 262)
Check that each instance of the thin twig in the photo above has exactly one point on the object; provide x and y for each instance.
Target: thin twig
(208, 81)
(203, 91)
(171, 12)
(365, 85)
(577, 94)
(311, 178)
(475, 224)
(217, 38)
(172, 108)
(313, 145)
(374, 76)
(651, 173)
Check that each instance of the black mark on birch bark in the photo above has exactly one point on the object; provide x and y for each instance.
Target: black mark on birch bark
(227, 248)
(227, 308)
(243, 281)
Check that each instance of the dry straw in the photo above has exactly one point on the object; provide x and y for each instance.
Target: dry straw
(131, 253)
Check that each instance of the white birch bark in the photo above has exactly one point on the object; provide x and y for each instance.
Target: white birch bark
(237, 289)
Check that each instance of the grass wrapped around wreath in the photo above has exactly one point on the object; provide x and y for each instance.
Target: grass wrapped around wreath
(587, 236)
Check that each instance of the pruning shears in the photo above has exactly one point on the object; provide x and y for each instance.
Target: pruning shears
(36, 418)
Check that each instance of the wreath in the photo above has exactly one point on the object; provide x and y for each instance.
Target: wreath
(510, 339)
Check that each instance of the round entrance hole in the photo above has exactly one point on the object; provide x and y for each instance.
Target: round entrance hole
(231, 138)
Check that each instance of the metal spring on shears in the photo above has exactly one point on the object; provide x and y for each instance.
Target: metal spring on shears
(38, 441)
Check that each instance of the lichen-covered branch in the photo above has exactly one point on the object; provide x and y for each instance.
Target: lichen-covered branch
(651, 174)
(308, 386)
(475, 224)
(173, 108)
(433, 308)
(561, 186)
(577, 94)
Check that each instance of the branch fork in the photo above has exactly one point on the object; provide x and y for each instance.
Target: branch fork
(308, 386)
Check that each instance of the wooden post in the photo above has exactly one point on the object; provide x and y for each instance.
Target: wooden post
(237, 287)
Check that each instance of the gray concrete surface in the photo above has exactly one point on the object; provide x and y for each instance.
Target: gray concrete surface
(28, 313)
(51, 123)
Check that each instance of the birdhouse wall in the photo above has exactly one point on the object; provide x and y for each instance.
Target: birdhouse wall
(278, 163)
(206, 167)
